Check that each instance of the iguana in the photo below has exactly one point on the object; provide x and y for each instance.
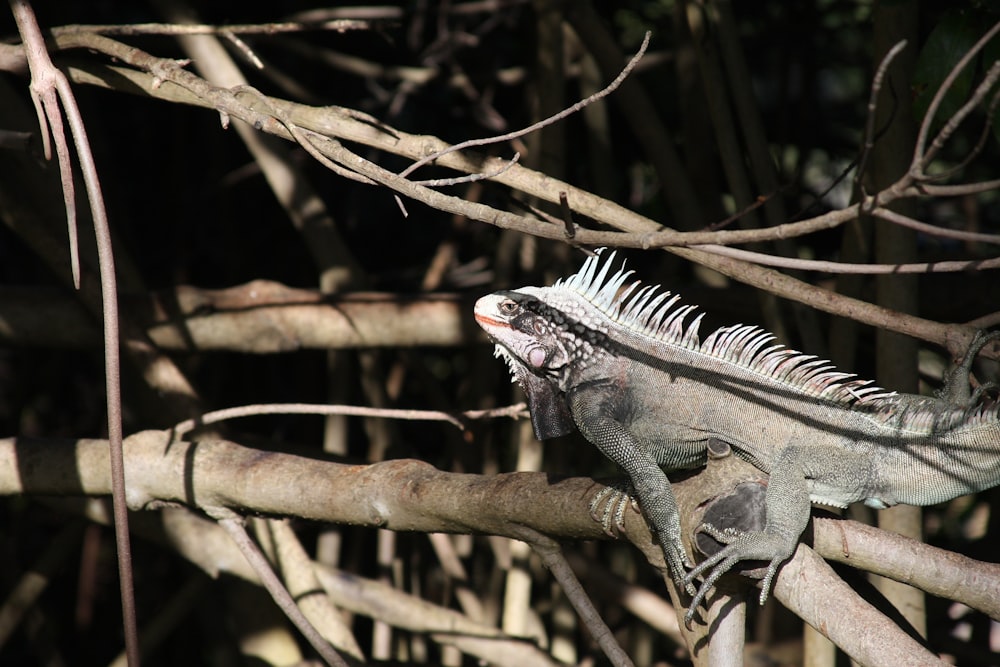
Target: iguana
(624, 364)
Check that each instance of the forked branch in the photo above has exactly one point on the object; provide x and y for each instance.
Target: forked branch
(48, 87)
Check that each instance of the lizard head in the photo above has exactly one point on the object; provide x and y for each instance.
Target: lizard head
(524, 335)
(528, 338)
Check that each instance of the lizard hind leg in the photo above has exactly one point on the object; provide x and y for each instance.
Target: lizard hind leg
(740, 546)
(787, 503)
(956, 390)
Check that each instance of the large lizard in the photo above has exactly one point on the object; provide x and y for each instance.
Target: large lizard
(621, 363)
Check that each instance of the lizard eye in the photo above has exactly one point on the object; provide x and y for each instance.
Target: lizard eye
(508, 307)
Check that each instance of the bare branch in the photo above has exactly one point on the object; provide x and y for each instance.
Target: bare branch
(931, 569)
(797, 264)
(834, 608)
(46, 82)
(985, 86)
(217, 416)
(607, 90)
(301, 138)
(337, 25)
(445, 626)
(413, 496)
(876, 88)
(260, 317)
(985, 321)
(234, 525)
(471, 178)
(343, 124)
(242, 48)
(984, 136)
(958, 190)
(919, 156)
(933, 230)
(551, 554)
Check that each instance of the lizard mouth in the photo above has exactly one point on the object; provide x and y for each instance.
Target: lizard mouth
(487, 321)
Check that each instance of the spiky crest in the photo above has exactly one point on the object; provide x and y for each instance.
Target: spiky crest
(654, 312)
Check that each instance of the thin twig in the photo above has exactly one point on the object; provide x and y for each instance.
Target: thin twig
(876, 88)
(610, 88)
(338, 25)
(552, 557)
(933, 230)
(984, 136)
(744, 212)
(796, 264)
(237, 531)
(985, 86)
(470, 178)
(542, 215)
(216, 416)
(918, 164)
(300, 136)
(820, 196)
(243, 48)
(46, 81)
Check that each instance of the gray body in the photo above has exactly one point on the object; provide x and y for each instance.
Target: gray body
(620, 364)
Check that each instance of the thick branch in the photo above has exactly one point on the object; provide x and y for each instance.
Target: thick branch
(409, 495)
(937, 571)
(259, 317)
(811, 587)
(406, 495)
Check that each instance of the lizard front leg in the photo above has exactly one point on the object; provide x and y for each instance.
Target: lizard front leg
(596, 422)
(608, 506)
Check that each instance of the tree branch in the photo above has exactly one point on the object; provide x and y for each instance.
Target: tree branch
(345, 124)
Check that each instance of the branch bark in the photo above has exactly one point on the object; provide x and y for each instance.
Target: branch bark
(408, 495)
(258, 318)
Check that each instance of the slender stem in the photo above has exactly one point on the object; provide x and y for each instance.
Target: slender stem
(42, 66)
(552, 557)
(607, 90)
(823, 266)
(217, 416)
(925, 126)
(238, 532)
(869, 140)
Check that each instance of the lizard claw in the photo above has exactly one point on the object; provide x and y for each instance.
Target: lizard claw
(679, 564)
(740, 546)
(609, 505)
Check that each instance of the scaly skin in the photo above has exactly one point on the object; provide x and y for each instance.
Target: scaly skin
(634, 379)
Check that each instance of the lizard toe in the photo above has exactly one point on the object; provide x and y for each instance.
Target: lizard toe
(740, 546)
(609, 505)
